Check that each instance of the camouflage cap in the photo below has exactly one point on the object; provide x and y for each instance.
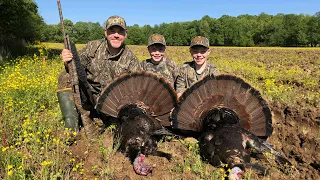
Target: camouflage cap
(116, 21)
(156, 39)
(200, 41)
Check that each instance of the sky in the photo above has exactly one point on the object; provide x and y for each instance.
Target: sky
(151, 12)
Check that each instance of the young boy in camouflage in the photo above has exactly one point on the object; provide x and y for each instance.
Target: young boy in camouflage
(157, 63)
(193, 71)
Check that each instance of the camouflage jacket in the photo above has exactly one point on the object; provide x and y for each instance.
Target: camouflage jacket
(167, 68)
(188, 75)
(102, 68)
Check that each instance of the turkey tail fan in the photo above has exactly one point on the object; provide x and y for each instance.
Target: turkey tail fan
(227, 91)
(153, 92)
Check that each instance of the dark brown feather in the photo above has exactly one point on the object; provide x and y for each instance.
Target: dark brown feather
(154, 92)
(226, 91)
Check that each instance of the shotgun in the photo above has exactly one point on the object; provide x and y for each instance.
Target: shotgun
(77, 75)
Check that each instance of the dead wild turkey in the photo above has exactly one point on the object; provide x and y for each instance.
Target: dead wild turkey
(229, 114)
(142, 103)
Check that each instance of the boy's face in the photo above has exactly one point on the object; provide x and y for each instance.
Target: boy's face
(116, 36)
(156, 51)
(199, 54)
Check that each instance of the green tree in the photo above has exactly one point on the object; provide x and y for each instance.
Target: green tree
(205, 26)
(294, 30)
(146, 31)
(215, 36)
(229, 30)
(81, 32)
(52, 33)
(191, 29)
(277, 31)
(313, 32)
(135, 36)
(263, 29)
(96, 31)
(175, 34)
(20, 24)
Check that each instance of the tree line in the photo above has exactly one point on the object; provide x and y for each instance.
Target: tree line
(21, 23)
(243, 30)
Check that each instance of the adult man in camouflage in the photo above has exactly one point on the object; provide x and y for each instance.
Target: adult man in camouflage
(157, 63)
(102, 61)
(193, 71)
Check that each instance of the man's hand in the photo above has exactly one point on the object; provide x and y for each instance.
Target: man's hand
(66, 55)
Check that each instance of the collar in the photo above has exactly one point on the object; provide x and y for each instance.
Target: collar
(161, 62)
(194, 67)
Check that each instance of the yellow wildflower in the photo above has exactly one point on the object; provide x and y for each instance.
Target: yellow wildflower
(46, 163)
(188, 169)
(10, 173)
(268, 154)
(221, 170)
(4, 149)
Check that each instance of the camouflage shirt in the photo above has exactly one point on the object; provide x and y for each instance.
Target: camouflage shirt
(167, 68)
(102, 68)
(188, 75)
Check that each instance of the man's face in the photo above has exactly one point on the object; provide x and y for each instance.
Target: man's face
(199, 54)
(156, 51)
(116, 36)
